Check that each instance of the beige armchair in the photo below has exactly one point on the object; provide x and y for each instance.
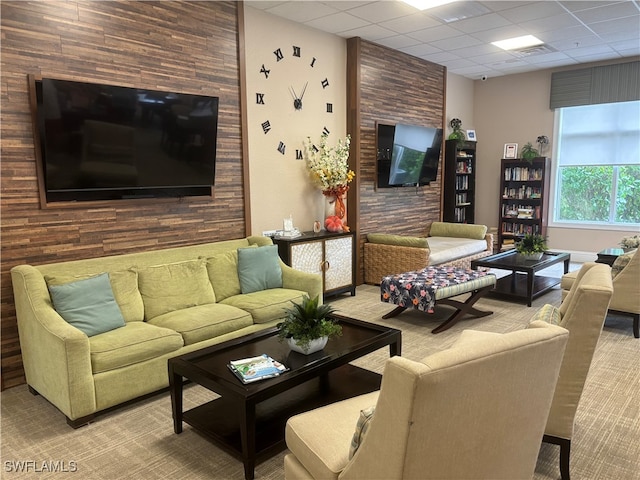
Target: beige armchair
(477, 410)
(582, 312)
(626, 287)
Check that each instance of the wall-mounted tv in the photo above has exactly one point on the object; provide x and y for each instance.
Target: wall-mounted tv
(408, 155)
(106, 142)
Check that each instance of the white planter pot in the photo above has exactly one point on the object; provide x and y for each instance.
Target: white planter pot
(531, 256)
(314, 345)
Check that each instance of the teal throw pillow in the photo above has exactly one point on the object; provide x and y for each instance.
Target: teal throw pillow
(88, 305)
(259, 268)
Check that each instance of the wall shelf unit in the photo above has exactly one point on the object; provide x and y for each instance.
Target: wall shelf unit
(459, 182)
(524, 191)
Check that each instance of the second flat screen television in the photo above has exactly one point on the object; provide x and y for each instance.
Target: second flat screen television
(408, 155)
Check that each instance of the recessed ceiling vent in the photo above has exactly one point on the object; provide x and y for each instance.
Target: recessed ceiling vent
(535, 50)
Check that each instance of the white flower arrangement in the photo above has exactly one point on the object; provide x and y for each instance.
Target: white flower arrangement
(630, 242)
(328, 167)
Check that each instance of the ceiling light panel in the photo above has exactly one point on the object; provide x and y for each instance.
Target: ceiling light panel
(518, 42)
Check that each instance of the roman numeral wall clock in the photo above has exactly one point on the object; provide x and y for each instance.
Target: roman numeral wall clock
(294, 100)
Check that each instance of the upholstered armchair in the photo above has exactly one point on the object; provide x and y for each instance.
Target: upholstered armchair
(582, 312)
(625, 273)
(476, 410)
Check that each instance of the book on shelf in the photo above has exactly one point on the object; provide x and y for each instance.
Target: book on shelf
(252, 369)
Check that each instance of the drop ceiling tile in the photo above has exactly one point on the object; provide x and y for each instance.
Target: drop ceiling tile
(441, 57)
(479, 24)
(301, 13)
(501, 33)
(501, 5)
(338, 22)
(455, 43)
(568, 34)
(479, 50)
(609, 12)
(368, 32)
(420, 49)
(345, 4)
(547, 57)
(528, 11)
(577, 6)
(380, 11)
(596, 58)
(631, 25)
(490, 58)
(410, 23)
(435, 33)
(557, 22)
(398, 41)
(262, 5)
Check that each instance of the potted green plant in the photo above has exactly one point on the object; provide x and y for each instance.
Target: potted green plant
(457, 133)
(532, 246)
(307, 326)
(528, 152)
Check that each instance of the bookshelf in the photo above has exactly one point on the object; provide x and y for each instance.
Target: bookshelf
(459, 182)
(524, 192)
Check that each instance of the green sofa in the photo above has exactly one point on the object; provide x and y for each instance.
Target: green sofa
(172, 301)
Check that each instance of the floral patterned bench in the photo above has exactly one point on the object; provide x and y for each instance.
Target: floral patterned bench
(422, 289)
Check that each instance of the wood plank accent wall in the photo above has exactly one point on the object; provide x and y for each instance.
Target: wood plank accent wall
(183, 46)
(392, 87)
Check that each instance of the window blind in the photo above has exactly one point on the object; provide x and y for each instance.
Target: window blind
(590, 86)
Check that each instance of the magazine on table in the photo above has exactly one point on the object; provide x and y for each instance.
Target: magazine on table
(253, 369)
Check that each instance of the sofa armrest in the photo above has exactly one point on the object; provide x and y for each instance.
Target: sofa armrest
(299, 280)
(381, 260)
(55, 355)
(489, 239)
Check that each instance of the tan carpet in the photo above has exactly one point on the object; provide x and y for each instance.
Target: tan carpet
(137, 441)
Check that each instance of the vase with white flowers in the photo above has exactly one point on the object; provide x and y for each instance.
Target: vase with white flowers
(329, 170)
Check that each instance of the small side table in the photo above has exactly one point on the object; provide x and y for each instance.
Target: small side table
(609, 255)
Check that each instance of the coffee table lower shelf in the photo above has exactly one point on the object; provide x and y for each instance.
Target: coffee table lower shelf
(515, 285)
(219, 419)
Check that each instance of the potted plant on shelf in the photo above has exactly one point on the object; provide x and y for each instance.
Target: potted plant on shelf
(307, 326)
(528, 152)
(532, 246)
(457, 133)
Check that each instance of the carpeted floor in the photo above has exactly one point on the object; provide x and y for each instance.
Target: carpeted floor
(137, 441)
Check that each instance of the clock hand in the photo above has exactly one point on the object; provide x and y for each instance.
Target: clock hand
(297, 102)
(293, 93)
(303, 90)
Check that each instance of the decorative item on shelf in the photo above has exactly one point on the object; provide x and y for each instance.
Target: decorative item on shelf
(510, 150)
(329, 170)
(457, 133)
(631, 242)
(528, 152)
(307, 326)
(531, 246)
(542, 142)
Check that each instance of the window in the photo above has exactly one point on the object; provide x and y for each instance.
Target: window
(598, 164)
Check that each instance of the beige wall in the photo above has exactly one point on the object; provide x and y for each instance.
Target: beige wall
(515, 109)
(280, 184)
(459, 102)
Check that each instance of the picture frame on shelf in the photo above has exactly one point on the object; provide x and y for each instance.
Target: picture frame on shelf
(471, 135)
(510, 150)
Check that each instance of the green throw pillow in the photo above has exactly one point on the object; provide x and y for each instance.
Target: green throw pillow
(400, 240)
(621, 262)
(362, 426)
(88, 305)
(458, 230)
(548, 313)
(174, 286)
(259, 268)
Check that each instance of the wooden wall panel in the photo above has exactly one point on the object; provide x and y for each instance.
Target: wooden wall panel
(182, 46)
(393, 88)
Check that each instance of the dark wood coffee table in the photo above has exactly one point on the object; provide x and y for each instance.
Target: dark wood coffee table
(523, 281)
(248, 421)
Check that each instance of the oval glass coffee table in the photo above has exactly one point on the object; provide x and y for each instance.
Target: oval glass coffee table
(522, 282)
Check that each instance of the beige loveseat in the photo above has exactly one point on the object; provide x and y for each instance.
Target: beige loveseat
(451, 244)
(172, 301)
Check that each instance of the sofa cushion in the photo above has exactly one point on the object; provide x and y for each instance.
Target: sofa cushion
(362, 425)
(400, 240)
(266, 305)
(446, 249)
(125, 290)
(223, 274)
(134, 343)
(174, 286)
(204, 322)
(88, 305)
(459, 230)
(259, 268)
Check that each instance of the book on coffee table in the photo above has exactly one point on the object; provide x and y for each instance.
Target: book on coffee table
(253, 369)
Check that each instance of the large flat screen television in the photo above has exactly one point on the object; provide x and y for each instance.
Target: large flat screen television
(408, 155)
(106, 142)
